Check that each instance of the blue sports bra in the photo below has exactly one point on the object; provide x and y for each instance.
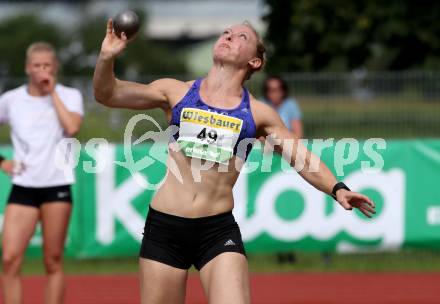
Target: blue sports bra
(198, 114)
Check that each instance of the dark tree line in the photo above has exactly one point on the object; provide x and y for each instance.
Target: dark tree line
(79, 47)
(340, 35)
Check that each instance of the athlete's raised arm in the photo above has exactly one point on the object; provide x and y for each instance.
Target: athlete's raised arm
(116, 93)
(308, 165)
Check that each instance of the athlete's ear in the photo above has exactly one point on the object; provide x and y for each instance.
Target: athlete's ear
(255, 63)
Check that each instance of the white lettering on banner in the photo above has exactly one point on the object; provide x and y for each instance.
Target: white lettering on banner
(433, 215)
(114, 203)
(387, 226)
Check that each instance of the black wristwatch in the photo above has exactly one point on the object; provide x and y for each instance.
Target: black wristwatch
(337, 187)
(1, 159)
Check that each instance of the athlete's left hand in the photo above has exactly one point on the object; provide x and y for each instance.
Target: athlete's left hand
(350, 200)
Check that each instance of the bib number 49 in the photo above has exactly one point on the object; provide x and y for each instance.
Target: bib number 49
(210, 136)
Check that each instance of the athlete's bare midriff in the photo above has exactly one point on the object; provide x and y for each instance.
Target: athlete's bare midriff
(199, 192)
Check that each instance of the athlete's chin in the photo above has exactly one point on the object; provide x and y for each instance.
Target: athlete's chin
(224, 58)
(220, 53)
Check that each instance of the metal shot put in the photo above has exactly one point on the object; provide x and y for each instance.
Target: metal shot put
(127, 22)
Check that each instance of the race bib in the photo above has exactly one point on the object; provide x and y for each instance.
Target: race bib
(208, 135)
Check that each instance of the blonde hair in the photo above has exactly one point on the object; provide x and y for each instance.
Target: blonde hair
(260, 49)
(40, 46)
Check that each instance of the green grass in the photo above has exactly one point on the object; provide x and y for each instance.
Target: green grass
(384, 118)
(34, 266)
(406, 260)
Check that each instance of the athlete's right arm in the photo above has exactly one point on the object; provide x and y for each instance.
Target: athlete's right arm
(116, 93)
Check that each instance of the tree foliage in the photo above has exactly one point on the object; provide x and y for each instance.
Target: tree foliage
(141, 57)
(79, 47)
(339, 35)
(17, 34)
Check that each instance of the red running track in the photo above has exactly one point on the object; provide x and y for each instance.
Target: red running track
(417, 288)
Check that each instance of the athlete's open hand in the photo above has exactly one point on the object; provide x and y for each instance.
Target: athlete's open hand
(350, 200)
(112, 45)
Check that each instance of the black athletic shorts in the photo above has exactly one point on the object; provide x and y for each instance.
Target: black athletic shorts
(181, 242)
(34, 197)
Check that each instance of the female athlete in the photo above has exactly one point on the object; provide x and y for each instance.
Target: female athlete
(190, 220)
(41, 114)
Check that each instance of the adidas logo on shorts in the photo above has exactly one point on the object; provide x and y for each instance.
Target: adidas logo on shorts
(229, 243)
(62, 194)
